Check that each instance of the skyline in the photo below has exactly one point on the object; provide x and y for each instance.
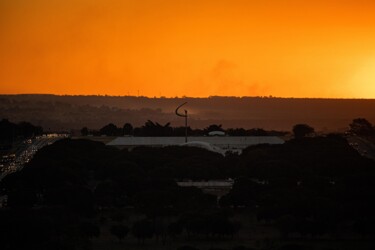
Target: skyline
(315, 49)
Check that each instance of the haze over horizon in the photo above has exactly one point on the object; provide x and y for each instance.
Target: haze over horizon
(184, 96)
(153, 48)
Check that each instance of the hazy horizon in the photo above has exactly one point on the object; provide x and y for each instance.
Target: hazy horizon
(74, 112)
(182, 97)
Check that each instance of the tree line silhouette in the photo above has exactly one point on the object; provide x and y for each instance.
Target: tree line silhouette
(151, 128)
(73, 190)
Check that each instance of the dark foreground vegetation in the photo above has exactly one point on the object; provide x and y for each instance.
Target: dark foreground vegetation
(80, 194)
(11, 132)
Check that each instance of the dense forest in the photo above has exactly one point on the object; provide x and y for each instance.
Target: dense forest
(75, 194)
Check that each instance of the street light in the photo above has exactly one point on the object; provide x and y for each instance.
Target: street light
(186, 116)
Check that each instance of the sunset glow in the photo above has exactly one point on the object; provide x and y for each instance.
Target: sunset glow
(188, 48)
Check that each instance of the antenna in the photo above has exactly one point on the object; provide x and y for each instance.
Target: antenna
(183, 115)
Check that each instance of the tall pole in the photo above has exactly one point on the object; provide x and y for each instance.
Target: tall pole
(186, 117)
(186, 127)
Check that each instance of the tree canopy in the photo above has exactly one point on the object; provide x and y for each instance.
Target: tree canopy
(361, 126)
(302, 130)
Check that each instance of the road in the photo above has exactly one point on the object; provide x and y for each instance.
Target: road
(363, 146)
(26, 152)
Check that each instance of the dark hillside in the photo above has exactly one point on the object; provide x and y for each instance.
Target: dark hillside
(74, 112)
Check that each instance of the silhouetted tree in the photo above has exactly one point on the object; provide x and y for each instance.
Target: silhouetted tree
(257, 132)
(302, 130)
(361, 126)
(213, 127)
(236, 132)
(127, 129)
(155, 129)
(26, 129)
(109, 130)
(10, 131)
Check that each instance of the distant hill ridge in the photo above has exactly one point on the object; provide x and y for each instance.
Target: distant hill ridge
(74, 112)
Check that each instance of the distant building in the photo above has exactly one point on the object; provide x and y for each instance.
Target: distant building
(219, 144)
(216, 133)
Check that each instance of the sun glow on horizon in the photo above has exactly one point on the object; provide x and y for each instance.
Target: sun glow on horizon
(364, 80)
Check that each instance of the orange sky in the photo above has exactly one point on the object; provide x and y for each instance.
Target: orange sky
(286, 48)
